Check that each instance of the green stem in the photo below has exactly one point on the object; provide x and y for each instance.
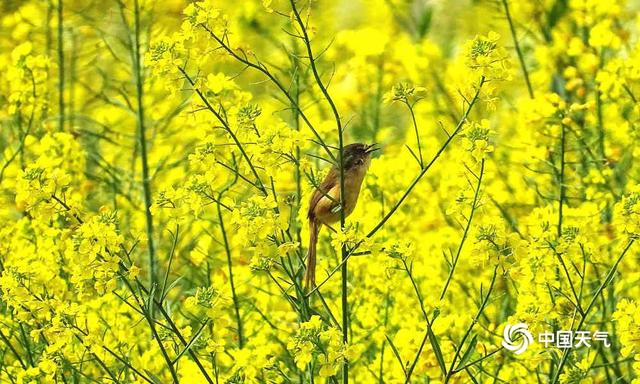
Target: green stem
(174, 328)
(146, 182)
(12, 348)
(562, 187)
(343, 250)
(478, 360)
(101, 363)
(112, 353)
(147, 314)
(512, 28)
(60, 49)
(296, 124)
(172, 253)
(415, 128)
(600, 125)
(566, 272)
(236, 304)
(27, 346)
(48, 29)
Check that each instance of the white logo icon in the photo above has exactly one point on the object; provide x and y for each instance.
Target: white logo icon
(511, 332)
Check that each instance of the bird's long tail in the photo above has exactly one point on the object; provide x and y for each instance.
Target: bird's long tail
(310, 276)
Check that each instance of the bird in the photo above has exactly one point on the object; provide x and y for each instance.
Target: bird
(324, 205)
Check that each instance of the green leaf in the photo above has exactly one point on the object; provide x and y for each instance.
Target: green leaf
(190, 344)
(438, 352)
(469, 351)
(170, 287)
(395, 352)
(424, 22)
(153, 377)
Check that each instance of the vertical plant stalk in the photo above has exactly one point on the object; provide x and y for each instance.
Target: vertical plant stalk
(599, 104)
(600, 127)
(512, 28)
(27, 346)
(73, 64)
(344, 257)
(48, 29)
(562, 186)
(146, 182)
(295, 116)
(236, 303)
(60, 49)
(343, 249)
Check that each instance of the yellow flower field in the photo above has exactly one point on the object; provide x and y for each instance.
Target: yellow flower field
(158, 160)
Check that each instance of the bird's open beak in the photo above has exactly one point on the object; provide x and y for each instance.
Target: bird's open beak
(372, 148)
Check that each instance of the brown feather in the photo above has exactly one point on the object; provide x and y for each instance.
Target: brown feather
(329, 182)
(310, 276)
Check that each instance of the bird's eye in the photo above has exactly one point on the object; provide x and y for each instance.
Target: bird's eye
(360, 161)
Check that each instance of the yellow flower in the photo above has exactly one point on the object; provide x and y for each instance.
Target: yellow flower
(267, 5)
(219, 82)
(327, 370)
(288, 247)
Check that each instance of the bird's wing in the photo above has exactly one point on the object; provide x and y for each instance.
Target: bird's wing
(328, 205)
(319, 201)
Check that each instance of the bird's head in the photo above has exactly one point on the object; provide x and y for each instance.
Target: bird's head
(358, 155)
